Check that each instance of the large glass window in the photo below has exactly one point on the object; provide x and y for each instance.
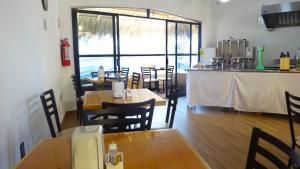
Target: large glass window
(95, 34)
(134, 38)
(142, 36)
(91, 64)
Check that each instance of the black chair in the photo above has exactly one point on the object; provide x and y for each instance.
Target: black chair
(49, 105)
(94, 74)
(169, 78)
(255, 149)
(293, 103)
(110, 73)
(79, 94)
(135, 80)
(125, 72)
(122, 117)
(147, 78)
(108, 83)
(172, 104)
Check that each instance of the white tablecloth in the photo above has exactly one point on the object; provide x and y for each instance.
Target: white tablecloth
(210, 88)
(244, 91)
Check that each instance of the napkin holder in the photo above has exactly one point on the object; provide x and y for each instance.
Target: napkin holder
(118, 89)
(87, 148)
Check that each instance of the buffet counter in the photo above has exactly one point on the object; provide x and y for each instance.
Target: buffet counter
(249, 91)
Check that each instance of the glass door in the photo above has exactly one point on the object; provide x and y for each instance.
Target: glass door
(183, 46)
(142, 43)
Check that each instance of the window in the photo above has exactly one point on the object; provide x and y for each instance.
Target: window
(134, 38)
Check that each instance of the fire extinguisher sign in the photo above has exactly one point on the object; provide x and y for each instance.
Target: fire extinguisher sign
(65, 57)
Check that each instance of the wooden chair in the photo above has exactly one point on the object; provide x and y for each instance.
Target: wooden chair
(108, 83)
(49, 105)
(169, 78)
(255, 149)
(147, 78)
(125, 72)
(94, 74)
(122, 117)
(135, 80)
(79, 95)
(172, 104)
(293, 103)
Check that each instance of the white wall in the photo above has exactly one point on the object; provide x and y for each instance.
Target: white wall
(199, 10)
(29, 64)
(239, 19)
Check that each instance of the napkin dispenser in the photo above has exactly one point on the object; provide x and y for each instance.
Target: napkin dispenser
(118, 89)
(88, 148)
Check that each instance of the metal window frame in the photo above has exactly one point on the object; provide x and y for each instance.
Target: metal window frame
(116, 41)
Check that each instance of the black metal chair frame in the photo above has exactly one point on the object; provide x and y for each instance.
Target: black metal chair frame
(292, 115)
(135, 80)
(94, 74)
(255, 149)
(48, 105)
(169, 78)
(147, 74)
(124, 72)
(79, 101)
(122, 117)
(172, 104)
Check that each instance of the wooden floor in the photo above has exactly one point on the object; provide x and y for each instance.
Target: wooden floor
(221, 137)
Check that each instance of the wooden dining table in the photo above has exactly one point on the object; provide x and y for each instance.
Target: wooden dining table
(94, 99)
(153, 149)
(97, 80)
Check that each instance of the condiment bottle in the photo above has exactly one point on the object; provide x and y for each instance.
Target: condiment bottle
(282, 60)
(112, 151)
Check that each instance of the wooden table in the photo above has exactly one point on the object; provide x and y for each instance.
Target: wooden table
(154, 149)
(96, 80)
(93, 99)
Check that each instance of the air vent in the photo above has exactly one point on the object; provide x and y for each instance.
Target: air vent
(281, 15)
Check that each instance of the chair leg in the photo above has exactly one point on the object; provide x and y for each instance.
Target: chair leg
(172, 118)
(168, 114)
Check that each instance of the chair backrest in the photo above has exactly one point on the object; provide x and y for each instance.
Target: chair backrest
(123, 117)
(172, 96)
(125, 71)
(146, 72)
(170, 71)
(135, 80)
(255, 149)
(293, 109)
(49, 105)
(108, 83)
(78, 91)
(94, 74)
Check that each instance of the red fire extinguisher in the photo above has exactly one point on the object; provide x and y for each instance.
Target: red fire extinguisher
(65, 46)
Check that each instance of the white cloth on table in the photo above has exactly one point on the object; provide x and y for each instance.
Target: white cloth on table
(244, 91)
(210, 88)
